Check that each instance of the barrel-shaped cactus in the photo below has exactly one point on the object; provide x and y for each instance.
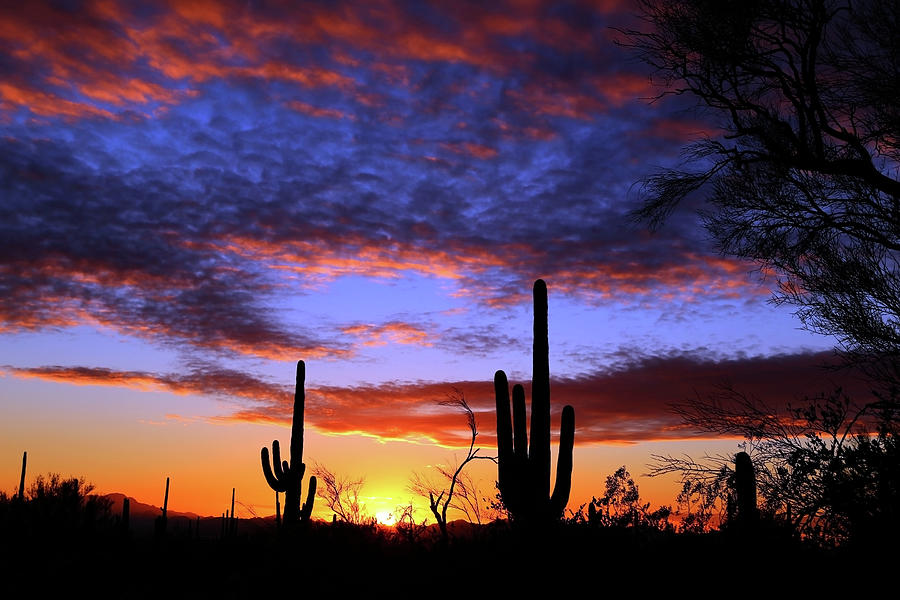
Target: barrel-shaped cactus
(523, 471)
(284, 476)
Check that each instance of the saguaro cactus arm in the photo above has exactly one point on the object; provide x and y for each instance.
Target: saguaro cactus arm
(306, 509)
(563, 486)
(277, 481)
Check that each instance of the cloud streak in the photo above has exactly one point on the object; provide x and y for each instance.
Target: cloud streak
(624, 406)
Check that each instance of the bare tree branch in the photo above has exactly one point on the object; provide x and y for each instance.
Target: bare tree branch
(462, 493)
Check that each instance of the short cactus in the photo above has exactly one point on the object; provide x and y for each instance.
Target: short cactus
(162, 519)
(232, 524)
(126, 515)
(284, 476)
(523, 473)
(745, 490)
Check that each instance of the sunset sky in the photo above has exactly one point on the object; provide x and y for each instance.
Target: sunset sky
(195, 195)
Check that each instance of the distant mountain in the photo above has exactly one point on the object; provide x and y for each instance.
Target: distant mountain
(143, 516)
(139, 509)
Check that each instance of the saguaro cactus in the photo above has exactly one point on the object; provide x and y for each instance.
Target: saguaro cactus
(162, 519)
(232, 525)
(284, 476)
(745, 489)
(126, 515)
(277, 511)
(165, 506)
(523, 472)
(22, 479)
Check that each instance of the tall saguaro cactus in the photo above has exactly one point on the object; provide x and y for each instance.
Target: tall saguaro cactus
(524, 472)
(284, 476)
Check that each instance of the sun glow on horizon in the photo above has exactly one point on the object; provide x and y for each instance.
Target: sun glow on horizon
(385, 518)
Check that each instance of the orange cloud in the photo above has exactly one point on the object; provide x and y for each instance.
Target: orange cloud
(684, 274)
(680, 131)
(331, 256)
(392, 331)
(47, 104)
(477, 150)
(210, 381)
(83, 63)
(624, 406)
(619, 88)
(558, 102)
(319, 112)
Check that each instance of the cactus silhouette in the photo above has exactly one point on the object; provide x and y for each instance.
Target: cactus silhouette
(162, 519)
(523, 472)
(126, 515)
(745, 489)
(232, 524)
(284, 476)
(277, 511)
(21, 495)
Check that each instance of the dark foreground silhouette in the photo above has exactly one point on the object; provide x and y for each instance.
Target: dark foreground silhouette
(523, 472)
(59, 538)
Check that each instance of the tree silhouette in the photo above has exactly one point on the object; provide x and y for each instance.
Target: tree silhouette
(57, 505)
(818, 467)
(804, 181)
(342, 495)
(457, 489)
(621, 506)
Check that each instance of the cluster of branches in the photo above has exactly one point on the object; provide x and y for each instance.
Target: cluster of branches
(828, 467)
(621, 506)
(453, 488)
(804, 179)
(341, 495)
(54, 505)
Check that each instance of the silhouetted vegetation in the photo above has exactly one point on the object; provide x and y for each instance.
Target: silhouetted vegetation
(829, 469)
(804, 181)
(162, 520)
(523, 473)
(21, 494)
(284, 476)
(815, 488)
(619, 531)
(457, 489)
(341, 495)
(620, 506)
(57, 507)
